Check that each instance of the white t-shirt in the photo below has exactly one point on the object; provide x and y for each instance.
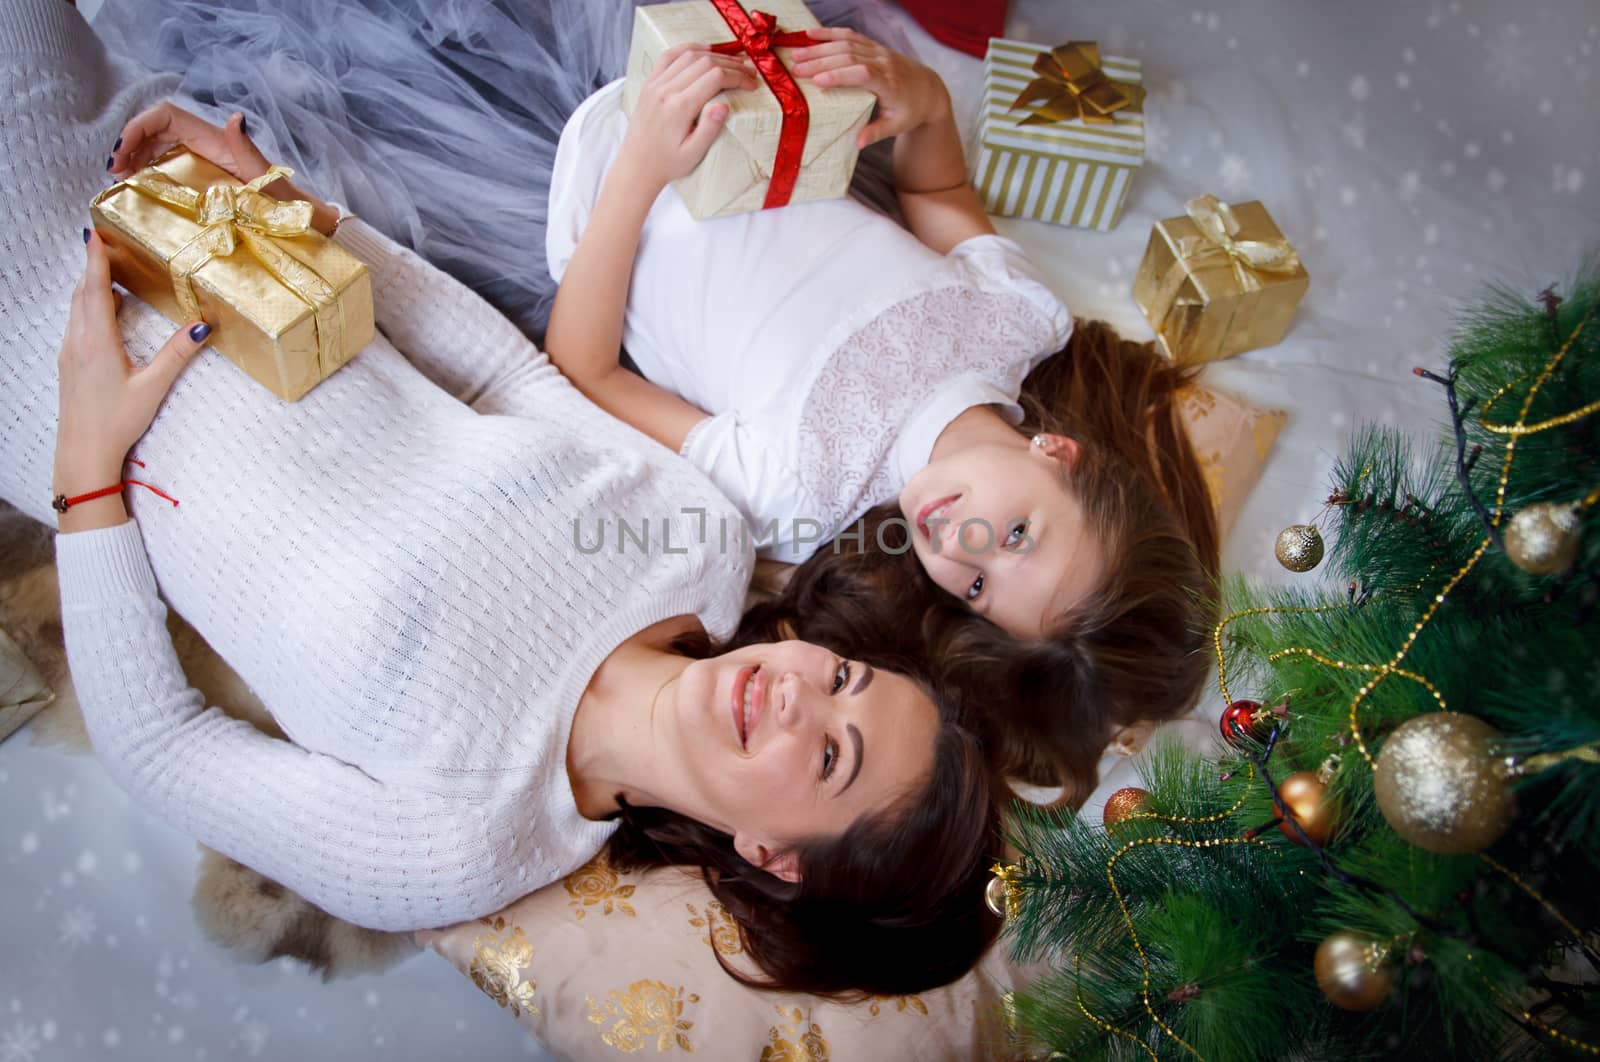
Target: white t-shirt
(830, 345)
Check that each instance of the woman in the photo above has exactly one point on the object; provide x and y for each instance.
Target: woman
(837, 375)
(471, 701)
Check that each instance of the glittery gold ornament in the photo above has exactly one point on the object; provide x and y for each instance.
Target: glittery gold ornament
(1441, 786)
(1543, 538)
(1124, 802)
(1305, 798)
(1353, 971)
(1299, 547)
(1002, 893)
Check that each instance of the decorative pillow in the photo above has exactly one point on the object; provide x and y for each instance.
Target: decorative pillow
(605, 963)
(22, 690)
(966, 25)
(1232, 439)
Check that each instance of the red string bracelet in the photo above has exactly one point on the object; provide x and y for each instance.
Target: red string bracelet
(61, 503)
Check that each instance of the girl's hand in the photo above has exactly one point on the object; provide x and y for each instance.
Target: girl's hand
(106, 402)
(150, 134)
(675, 120)
(909, 94)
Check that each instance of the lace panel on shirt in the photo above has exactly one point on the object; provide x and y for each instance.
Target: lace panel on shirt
(886, 369)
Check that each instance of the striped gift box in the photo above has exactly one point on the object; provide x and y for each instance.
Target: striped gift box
(1066, 173)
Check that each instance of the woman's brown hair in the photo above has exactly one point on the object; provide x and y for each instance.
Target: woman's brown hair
(1134, 651)
(893, 906)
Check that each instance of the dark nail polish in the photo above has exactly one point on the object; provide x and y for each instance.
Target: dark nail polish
(118, 145)
(85, 235)
(199, 332)
(109, 161)
(244, 125)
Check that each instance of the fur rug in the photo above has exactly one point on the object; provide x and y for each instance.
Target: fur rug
(256, 918)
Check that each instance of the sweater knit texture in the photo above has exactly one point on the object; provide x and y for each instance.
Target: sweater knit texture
(392, 563)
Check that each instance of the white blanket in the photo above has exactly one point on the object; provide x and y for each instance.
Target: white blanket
(1414, 151)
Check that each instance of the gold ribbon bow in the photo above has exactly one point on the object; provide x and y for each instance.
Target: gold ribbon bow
(231, 215)
(1073, 87)
(1218, 229)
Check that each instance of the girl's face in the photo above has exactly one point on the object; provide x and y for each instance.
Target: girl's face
(995, 526)
(784, 742)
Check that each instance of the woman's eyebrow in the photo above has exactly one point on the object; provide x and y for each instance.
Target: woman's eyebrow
(864, 681)
(855, 739)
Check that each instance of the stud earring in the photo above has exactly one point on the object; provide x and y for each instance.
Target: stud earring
(1038, 440)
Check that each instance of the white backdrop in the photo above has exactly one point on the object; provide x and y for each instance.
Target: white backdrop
(1414, 151)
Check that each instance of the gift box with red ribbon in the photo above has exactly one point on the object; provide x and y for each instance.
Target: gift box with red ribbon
(788, 141)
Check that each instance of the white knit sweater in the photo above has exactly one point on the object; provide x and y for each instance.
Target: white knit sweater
(390, 563)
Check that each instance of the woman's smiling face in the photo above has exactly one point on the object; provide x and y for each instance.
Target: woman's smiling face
(999, 528)
(785, 742)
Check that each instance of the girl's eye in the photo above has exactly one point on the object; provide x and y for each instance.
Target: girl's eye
(830, 756)
(976, 588)
(1018, 532)
(841, 676)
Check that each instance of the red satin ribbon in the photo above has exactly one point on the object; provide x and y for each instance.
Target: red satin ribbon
(756, 34)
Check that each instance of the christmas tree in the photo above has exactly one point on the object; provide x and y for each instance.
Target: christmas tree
(1394, 853)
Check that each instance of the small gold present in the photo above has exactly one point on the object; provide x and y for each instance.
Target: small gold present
(1219, 281)
(788, 141)
(285, 304)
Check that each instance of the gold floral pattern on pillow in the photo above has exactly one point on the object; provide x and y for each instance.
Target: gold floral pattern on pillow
(497, 965)
(795, 1039)
(595, 884)
(1231, 440)
(722, 932)
(902, 1005)
(644, 1011)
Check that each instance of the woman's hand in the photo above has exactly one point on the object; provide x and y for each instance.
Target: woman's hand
(152, 133)
(106, 402)
(675, 120)
(909, 94)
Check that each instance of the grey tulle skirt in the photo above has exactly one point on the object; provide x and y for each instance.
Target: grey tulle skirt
(435, 120)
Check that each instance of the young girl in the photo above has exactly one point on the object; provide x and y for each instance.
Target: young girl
(473, 705)
(819, 361)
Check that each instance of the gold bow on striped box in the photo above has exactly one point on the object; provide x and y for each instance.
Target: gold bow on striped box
(1060, 134)
(285, 304)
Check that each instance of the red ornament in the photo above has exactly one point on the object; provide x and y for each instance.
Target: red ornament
(1239, 721)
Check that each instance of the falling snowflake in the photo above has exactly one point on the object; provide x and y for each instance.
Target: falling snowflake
(1410, 185)
(1354, 133)
(77, 927)
(19, 1044)
(254, 1035)
(53, 807)
(1511, 58)
(1360, 88)
(1234, 174)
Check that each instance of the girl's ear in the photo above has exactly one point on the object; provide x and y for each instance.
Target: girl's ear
(785, 866)
(1057, 447)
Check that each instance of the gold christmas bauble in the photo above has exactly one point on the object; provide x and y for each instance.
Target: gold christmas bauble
(1124, 802)
(1306, 799)
(1543, 538)
(1299, 547)
(1441, 786)
(1353, 971)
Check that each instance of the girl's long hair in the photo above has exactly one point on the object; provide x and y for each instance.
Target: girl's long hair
(1134, 651)
(893, 906)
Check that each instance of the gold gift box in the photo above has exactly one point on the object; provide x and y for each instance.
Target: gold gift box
(1218, 281)
(286, 305)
